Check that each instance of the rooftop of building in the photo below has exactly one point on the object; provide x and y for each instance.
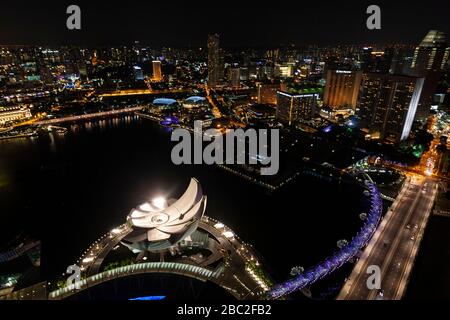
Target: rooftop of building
(13, 108)
(195, 99)
(164, 101)
(434, 38)
(303, 88)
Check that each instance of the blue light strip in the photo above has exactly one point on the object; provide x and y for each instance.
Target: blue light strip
(147, 298)
(339, 258)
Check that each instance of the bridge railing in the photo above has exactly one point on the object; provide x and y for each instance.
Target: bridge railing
(339, 258)
(89, 115)
(192, 271)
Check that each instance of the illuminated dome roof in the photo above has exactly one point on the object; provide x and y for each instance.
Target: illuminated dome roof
(164, 101)
(195, 99)
(194, 102)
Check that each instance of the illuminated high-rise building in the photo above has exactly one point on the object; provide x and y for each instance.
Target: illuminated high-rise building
(401, 60)
(284, 71)
(235, 77)
(157, 73)
(342, 88)
(94, 59)
(214, 64)
(429, 59)
(138, 74)
(431, 54)
(387, 105)
(221, 64)
(294, 107)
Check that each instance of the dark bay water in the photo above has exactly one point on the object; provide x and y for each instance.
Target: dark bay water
(68, 190)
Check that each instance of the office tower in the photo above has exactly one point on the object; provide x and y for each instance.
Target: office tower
(157, 73)
(431, 54)
(401, 61)
(256, 72)
(294, 107)
(342, 88)
(244, 73)
(213, 60)
(267, 92)
(138, 74)
(429, 60)
(94, 59)
(387, 105)
(136, 55)
(284, 70)
(221, 65)
(82, 69)
(235, 77)
(269, 71)
(366, 58)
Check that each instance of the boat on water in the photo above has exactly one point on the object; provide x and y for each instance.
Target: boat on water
(58, 130)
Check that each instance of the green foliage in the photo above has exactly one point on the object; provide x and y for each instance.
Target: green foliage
(118, 264)
(302, 88)
(260, 273)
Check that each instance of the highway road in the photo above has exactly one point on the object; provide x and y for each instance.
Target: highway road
(395, 244)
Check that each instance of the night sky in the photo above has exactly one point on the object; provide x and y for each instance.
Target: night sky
(240, 23)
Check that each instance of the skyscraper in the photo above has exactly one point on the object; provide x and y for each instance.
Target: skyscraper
(221, 65)
(284, 71)
(138, 75)
(401, 60)
(387, 105)
(431, 54)
(157, 73)
(342, 88)
(213, 60)
(428, 61)
(235, 77)
(294, 107)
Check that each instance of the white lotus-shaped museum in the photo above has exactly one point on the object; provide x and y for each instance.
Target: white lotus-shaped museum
(159, 225)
